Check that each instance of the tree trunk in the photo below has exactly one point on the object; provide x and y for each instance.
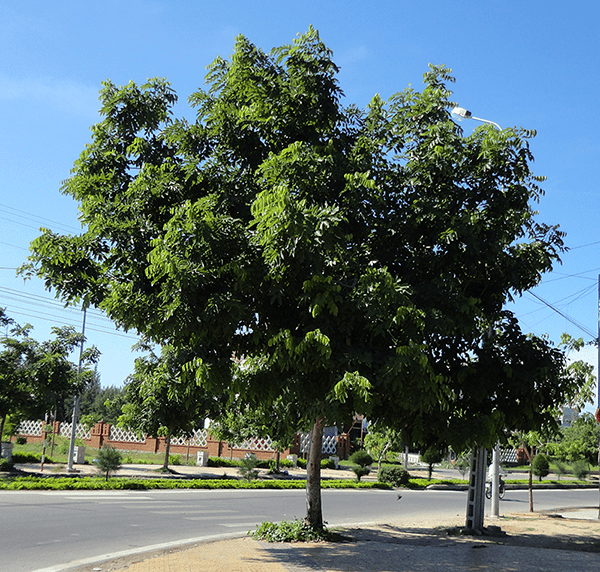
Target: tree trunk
(314, 514)
(530, 490)
(167, 451)
(382, 456)
(2, 420)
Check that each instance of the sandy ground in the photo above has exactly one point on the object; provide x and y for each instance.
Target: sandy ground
(539, 531)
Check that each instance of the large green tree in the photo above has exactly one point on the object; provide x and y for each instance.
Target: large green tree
(354, 260)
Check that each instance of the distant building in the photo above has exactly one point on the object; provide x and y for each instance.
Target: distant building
(568, 416)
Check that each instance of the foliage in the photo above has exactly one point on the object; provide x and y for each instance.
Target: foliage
(380, 441)
(463, 463)
(579, 441)
(431, 456)
(559, 468)
(357, 259)
(6, 465)
(159, 402)
(248, 468)
(581, 469)
(360, 471)
(361, 458)
(85, 483)
(101, 403)
(21, 440)
(540, 466)
(30, 458)
(327, 464)
(289, 531)
(36, 376)
(108, 460)
(395, 476)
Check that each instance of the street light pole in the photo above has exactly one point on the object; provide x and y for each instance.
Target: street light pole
(462, 113)
(70, 468)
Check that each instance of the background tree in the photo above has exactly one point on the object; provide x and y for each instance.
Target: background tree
(159, 402)
(101, 403)
(578, 441)
(578, 382)
(357, 259)
(35, 377)
(431, 456)
(380, 441)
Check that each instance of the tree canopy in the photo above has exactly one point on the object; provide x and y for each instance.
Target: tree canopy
(35, 376)
(356, 260)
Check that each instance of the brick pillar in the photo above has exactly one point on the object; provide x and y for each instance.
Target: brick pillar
(99, 434)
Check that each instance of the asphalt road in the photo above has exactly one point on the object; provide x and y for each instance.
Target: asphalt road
(44, 529)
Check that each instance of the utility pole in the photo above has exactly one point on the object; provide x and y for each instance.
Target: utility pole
(76, 403)
(598, 390)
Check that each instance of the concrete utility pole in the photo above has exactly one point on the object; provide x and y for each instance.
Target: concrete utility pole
(476, 497)
(463, 113)
(598, 390)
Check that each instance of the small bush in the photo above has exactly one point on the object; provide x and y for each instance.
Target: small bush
(174, 459)
(248, 468)
(360, 472)
(581, 470)
(361, 458)
(6, 465)
(559, 468)
(222, 462)
(540, 466)
(302, 463)
(289, 531)
(108, 460)
(21, 440)
(29, 458)
(327, 464)
(395, 476)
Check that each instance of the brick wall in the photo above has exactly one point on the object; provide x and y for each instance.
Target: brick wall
(104, 433)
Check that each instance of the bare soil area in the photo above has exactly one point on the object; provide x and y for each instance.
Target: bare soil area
(534, 530)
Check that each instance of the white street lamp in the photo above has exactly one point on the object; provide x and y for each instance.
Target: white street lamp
(462, 113)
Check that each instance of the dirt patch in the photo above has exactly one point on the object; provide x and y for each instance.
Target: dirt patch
(535, 530)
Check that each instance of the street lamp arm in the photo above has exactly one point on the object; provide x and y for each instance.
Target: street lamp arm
(463, 113)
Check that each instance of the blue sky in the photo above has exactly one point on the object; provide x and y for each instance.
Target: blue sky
(534, 64)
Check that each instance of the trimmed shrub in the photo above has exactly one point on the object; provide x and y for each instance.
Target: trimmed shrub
(327, 464)
(361, 458)
(395, 476)
(21, 440)
(6, 465)
(540, 466)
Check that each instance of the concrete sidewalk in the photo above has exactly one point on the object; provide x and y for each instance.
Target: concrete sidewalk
(418, 546)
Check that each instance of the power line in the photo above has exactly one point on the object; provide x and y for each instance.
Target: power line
(33, 218)
(568, 318)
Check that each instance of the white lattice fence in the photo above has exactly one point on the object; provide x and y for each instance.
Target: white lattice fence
(258, 444)
(81, 431)
(198, 439)
(329, 446)
(30, 427)
(508, 456)
(119, 434)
